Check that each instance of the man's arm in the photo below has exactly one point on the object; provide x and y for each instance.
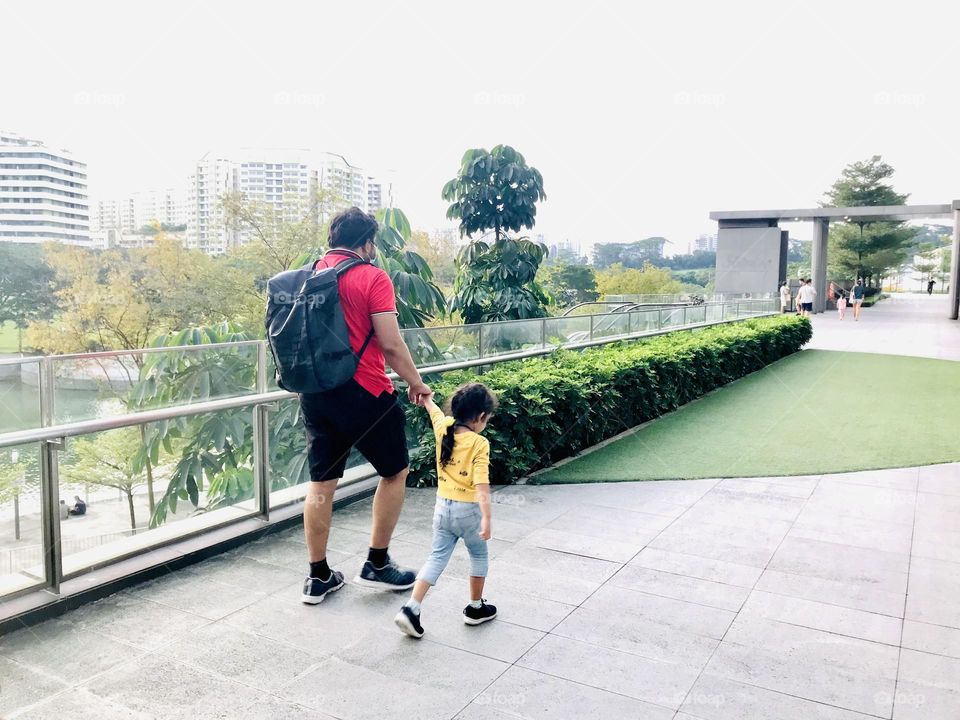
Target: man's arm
(397, 355)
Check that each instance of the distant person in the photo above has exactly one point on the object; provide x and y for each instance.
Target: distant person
(858, 294)
(841, 302)
(64, 511)
(463, 502)
(79, 507)
(930, 287)
(805, 297)
(784, 297)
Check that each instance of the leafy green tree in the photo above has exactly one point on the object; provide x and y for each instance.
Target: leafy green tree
(107, 460)
(650, 280)
(631, 254)
(570, 284)
(496, 280)
(867, 249)
(27, 286)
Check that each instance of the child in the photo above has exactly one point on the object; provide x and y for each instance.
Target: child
(841, 304)
(463, 502)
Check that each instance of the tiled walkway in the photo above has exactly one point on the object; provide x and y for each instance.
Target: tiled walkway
(832, 598)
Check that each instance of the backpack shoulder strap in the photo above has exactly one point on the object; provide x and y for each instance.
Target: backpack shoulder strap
(342, 268)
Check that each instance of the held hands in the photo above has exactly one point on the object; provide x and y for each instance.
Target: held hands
(418, 393)
(485, 528)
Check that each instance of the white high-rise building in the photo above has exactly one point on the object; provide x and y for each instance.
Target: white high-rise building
(284, 180)
(43, 193)
(150, 207)
(704, 243)
(206, 227)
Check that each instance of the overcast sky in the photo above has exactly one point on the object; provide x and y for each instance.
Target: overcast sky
(642, 118)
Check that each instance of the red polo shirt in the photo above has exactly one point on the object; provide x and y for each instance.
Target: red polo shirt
(365, 290)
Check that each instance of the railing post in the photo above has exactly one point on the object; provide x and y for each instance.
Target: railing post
(261, 438)
(629, 323)
(684, 314)
(738, 310)
(591, 327)
(50, 512)
(659, 318)
(480, 341)
(50, 481)
(543, 332)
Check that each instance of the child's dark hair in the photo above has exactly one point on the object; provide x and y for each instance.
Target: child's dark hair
(467, 403)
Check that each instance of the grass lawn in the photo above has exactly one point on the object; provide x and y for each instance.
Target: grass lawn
(814, 412)
(8, 338)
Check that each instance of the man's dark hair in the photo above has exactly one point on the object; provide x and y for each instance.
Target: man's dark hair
(352, 228)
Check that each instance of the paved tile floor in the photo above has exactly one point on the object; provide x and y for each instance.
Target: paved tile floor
(815, 598)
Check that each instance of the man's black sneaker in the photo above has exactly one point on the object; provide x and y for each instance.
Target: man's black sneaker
(409, 621)
(389, 577)
(315, 589)
(480, 615)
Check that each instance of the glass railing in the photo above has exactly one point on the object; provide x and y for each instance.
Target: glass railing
(167, 443)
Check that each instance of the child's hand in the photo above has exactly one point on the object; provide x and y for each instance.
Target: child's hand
(485, 528)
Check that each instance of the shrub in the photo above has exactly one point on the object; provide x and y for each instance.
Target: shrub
(554, 406)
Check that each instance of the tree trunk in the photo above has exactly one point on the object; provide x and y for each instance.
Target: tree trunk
(133, 513)
(148, 467)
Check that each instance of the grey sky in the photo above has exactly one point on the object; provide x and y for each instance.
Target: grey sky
(641, 118)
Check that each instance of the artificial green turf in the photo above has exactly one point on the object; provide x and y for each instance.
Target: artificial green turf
(814, 412)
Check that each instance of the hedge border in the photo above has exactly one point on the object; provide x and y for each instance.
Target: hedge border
(555, 406)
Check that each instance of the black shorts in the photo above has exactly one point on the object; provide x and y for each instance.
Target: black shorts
(806, 307)
(347, 417)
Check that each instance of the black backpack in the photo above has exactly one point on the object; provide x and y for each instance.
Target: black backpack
(307, 331)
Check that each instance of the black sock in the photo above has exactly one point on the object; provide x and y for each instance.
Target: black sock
(320, 569)
(377, 557)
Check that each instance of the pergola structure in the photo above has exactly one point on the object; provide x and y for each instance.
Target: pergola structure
(744, 236)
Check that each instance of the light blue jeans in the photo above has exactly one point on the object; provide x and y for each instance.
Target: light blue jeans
(453, 520)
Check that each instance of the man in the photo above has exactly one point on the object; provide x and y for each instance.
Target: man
(805, 296)
(930, 287)
(79, 507)
(784, 296)
(857, 293)
(364, 413)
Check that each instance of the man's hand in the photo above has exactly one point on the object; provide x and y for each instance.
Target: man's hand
(485, 528)
(417, 392)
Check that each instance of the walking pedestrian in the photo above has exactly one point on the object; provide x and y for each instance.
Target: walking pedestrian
(858, 294)
(784, 296)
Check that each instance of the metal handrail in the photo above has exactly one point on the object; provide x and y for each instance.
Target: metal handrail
(114, 422)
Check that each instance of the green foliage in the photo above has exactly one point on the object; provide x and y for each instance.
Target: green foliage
(556, 406)
(618, 280)
(634, 254)
(494, 190)
(419, 300)
(27, 285)
(570, 284)
(214, 452)
(871, 249)
(497, 191)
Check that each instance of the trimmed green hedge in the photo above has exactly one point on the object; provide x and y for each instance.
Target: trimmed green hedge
(555, 406)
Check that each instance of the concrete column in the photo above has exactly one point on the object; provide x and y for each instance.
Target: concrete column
(818, 262)
(954, 278)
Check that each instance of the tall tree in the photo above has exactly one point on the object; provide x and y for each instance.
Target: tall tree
(106, 459)
(867, 249)
(650, 280)
(27, 286)
(570, 284)
(496, 192)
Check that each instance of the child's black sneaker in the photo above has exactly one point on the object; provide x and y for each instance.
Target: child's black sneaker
(389, 577)
(480, 615)
(409, 622)
(315, 589)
